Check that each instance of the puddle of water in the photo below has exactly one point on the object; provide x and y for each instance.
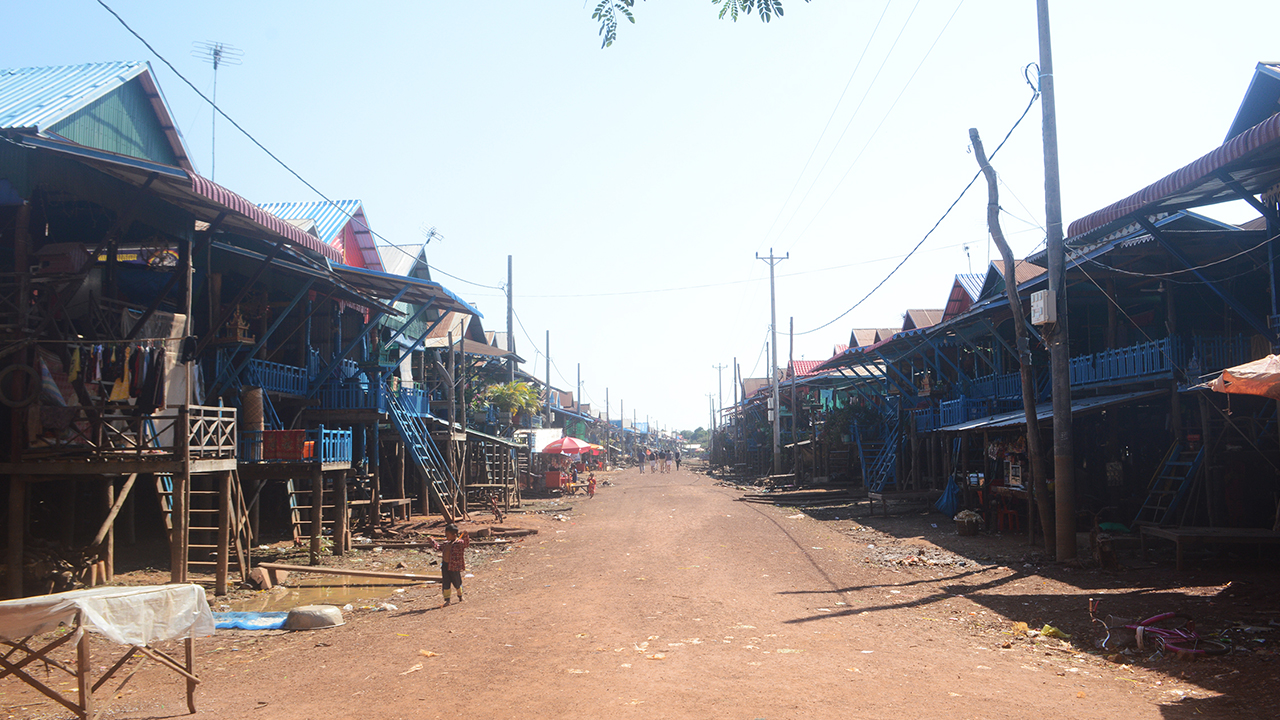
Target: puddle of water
(326, 590)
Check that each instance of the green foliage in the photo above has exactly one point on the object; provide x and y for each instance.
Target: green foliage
(512, 397)
(608, 11)
(699, 436)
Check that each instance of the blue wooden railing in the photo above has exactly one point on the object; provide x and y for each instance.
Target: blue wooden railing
(1150, 358)
(332, 446)
(276, 377)
(963, 409)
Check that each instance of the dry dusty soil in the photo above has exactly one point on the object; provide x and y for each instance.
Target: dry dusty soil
(667, 597)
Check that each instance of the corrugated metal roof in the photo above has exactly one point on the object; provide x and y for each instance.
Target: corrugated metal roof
(1252, 158)
(972, 283)
(328, 217)
(914, 319)
(209, 189)
(41, 96)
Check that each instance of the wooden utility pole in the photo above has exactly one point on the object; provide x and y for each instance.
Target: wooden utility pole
(1038, 484)
(773, 260)
(1059, 350)
(795, 414)
(511, 337)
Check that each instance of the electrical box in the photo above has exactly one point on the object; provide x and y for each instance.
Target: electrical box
(1044, 307)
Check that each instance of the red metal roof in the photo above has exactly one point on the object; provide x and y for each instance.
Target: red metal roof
(1198, 184)
(207, 188)
(804, 367)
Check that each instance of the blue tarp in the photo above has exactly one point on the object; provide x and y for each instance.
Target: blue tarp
(249, 620)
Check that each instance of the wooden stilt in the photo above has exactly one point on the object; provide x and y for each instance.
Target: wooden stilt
(224, 534)
(341, 538)
(179, 500)
(109, 549)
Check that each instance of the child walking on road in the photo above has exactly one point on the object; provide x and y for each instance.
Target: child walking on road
(591, 485)
(453, 559)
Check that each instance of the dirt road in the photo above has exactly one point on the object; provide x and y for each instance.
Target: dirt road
(664, 597)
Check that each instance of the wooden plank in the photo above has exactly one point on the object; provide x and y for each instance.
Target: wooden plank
(353, 573)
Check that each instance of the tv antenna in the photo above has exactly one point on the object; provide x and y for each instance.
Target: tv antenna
(216, 54)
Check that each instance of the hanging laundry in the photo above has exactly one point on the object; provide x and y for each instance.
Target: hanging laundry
(74, 370)
(120, 391)
(49, 386)
(152, 395)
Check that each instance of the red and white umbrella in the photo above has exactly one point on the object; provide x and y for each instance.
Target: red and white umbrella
(569, 446)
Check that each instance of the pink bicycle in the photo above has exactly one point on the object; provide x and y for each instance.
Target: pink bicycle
(1167, 632)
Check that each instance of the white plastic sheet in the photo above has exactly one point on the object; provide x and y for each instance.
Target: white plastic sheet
(126, 615)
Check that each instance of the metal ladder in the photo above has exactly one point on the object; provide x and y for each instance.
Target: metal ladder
(1170, 485)
(422, 449)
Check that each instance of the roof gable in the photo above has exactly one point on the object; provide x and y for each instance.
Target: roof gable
(115, 107)
(1261, 100)
(914, 319)
(341, 224)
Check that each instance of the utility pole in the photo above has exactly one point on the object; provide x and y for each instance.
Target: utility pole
(711, 408)
(1059, 350)
(577, 393)
(608, 428)
(795, 411)
(511, 336)
(719, 391)
(773, 260)
(548, 378)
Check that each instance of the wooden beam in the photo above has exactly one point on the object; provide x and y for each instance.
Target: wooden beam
(114, 510)
(273, 567)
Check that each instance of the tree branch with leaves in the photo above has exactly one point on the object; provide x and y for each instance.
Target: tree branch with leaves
(609, 12)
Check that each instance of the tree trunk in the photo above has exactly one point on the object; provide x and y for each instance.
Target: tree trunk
(1039, 487)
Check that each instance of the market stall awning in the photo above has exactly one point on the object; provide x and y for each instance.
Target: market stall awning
(1044, 411)
(420, 292)
(1260, 377)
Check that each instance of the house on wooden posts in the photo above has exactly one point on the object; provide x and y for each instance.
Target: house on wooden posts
(1159, 298)
(166, 341)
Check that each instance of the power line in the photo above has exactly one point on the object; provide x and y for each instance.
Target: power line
(823, 134)
(883, 119)
(1035, 96)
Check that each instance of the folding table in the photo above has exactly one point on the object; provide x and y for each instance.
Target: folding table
(134, 616)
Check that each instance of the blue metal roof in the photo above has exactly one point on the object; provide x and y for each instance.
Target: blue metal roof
(328, 217)
(39, 97)
(972, 284)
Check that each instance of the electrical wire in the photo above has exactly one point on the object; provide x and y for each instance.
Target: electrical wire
(1034, 97)
(1169, 275)
(255, 141)
(876, 131)
(823, 134)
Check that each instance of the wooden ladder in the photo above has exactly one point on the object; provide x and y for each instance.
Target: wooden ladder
(205, 522)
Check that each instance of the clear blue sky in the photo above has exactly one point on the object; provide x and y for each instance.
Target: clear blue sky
(633, 185)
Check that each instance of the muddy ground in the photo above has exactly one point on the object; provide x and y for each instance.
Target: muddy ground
(667, 597)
